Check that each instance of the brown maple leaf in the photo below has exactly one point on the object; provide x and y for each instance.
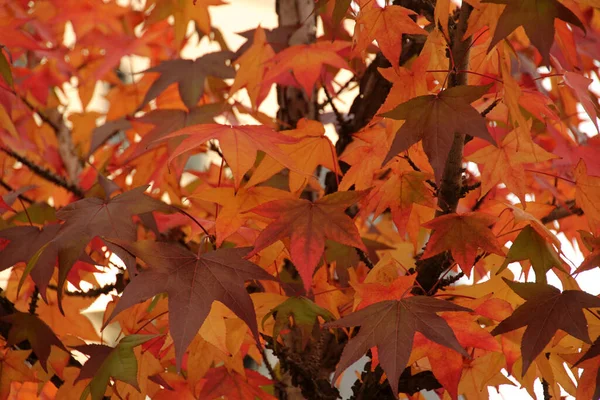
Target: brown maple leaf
(190, 75)
(537, 18)
(308, 224)
(462, 235)
(391, 326)
(545, 311)
(84, 220)
(435, 119)
(40, 336)
(193, 282)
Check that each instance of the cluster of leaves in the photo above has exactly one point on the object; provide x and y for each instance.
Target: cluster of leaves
(463, 152)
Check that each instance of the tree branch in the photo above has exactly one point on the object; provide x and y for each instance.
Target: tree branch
(450, 191)
(66, 148)
(45, 173)
(561, 212)
(119, 286)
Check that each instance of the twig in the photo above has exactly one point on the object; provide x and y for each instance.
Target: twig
(45, 173)
(10, 189)
(34, 300)
(216, 149)
(546, 389)
(445, 282)
(480, 201)
(416, 168)
(364, 257)
(338, 116)
(42, 116)
(96, 292)
(343, 87)
(489, 108)
(561, 212)
(467, 188)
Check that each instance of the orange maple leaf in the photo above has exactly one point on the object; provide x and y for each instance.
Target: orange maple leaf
(312, 148)
(233, 213)
(218, 383)
(587, 195)
(239, 144)
(252, 68)
(183, 12)
(403, 188)
(306, 61)
(505, 164)
(13, 368)
(365, 154)
(447, 364)
(386, 25)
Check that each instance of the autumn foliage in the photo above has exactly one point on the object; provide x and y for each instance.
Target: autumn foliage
(414, 199)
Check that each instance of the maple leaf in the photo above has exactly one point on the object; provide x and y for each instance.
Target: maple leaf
(306, 62)
(183, 12)
(580, 84)
(118, 363)
(462, 235)
(13, 368)
(386, 25)
(593, 352)
(403, 188)
(190, 76)
(233, 213)
(365, 154)
(587, 195)
(391, 326)
(312, 148)
(22, 242)
(505, 164)
(592, 260)
(39, 335)
(239, 144)
(220, 383)
(435, 119)
(530, 245)
(537, 18)
(193, 282)
(84, 220)
(308, 224)
(304, 313)
(166, 121)
(446, 364)
(252, 67)
(545, 311)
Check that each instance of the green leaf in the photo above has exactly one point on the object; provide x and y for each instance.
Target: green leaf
(5, 69)
(530, 245)
(105, 363)
(304, 312)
